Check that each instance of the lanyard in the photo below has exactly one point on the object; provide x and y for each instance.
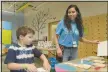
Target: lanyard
(73, 34)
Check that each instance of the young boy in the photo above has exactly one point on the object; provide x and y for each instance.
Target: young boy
(20, 56)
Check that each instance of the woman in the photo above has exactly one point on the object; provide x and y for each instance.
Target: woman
(69, 31)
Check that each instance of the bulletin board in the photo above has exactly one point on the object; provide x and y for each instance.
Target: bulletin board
(96, 30)
(6, 32)
(6, 36)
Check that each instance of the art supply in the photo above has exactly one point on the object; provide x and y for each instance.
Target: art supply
(95, 58)
(97, 68)
(99, 65)
(84, 66)
(42, 70)
(99, 61)
(65, 68)
(71, 64)
(81, 61)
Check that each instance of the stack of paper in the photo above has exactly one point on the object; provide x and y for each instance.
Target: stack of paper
(42, 70)
(84, 66)
(99, 65)
(71, 64)
(99, 61)
(102, 49)
(95, 58)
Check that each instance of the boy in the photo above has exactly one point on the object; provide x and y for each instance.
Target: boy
(20, 56)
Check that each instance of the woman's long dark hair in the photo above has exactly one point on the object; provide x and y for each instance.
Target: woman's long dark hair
(78, 20)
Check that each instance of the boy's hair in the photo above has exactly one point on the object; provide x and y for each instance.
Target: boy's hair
(24, 30)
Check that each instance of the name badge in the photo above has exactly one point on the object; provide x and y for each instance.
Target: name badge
(74, 44)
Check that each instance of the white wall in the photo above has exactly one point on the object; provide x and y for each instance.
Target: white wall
(57, 9)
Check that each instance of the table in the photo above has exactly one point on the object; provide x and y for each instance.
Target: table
(48, 51)
(61, 67)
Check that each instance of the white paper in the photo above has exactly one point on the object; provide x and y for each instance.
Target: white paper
(41, 70)
(102, 49)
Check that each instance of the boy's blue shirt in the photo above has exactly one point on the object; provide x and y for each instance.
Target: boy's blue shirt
(18, 54)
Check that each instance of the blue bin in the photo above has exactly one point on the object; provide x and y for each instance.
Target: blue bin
(53, 61)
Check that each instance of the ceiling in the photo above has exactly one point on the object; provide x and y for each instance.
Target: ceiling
(14, 6)
(86, 7)
(11, 6)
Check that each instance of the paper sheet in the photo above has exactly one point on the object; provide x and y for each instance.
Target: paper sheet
(102, 49)
(41, 70)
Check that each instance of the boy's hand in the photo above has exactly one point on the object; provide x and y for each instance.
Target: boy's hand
(47, 66)
(31, 68)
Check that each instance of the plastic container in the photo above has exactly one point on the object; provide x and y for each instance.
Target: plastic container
(53, 61)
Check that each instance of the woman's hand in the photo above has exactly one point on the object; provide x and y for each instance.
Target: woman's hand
(95, 41)
(59, 52)
(47, 66)
(89, 41)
